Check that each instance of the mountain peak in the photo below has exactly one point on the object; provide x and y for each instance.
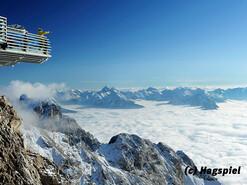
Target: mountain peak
(23, 97)
(151, 89)
(105, 89)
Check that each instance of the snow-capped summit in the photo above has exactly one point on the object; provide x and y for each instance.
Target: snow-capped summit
(152, 94)
(130, 94)
(151, 89)
(178, 96)
(239, 93)
(145, 94)
(189, 96)
(105, 89)
(107, 98)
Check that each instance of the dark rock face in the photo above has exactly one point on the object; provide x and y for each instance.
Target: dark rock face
(185, 158)
(53, 120)
(145, 160)
(19, 165)
(46, 110)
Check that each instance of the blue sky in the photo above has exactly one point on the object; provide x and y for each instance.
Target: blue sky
(134, 43)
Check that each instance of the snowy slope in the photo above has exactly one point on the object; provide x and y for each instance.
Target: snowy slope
(178, 96)
(189, 96)
(146, 94)
(232, 93)
(126, 159)
(112, 98)
(107, 98)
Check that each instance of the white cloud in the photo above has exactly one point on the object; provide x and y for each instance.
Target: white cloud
(34, 91)
(213, 138)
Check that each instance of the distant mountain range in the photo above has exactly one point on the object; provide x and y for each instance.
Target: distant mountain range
(178, 96)
(105, 98)
(239, 93)
(113, 98)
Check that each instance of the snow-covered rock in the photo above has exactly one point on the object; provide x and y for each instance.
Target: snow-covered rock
(130, 94)
(152, 94)
(112, 98)
(52, 119)
(189, 96)
(107, 98)
(178, 96)
(146, 94)
(232, 93)
(126, 159)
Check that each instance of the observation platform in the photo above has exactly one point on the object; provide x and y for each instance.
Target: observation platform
(18, 45)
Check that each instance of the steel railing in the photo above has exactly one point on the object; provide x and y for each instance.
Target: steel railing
(3, 30)
(23, 41)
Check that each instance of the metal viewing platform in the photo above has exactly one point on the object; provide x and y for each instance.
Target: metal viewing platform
(18, 45)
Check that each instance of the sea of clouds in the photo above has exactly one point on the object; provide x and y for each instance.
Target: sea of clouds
(212, 138)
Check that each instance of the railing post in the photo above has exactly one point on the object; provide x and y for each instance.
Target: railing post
(3, 30)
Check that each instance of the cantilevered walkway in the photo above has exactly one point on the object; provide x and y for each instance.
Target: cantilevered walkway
(18, 45)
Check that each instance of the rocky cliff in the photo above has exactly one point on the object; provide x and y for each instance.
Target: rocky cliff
(126, 159)
(53, 120)
(18, 165)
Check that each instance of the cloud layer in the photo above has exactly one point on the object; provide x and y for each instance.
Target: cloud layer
(213, 138)
(34, 91)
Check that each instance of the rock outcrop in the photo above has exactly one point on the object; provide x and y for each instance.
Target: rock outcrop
(53, 120)
(126, 159)
(18, 165)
